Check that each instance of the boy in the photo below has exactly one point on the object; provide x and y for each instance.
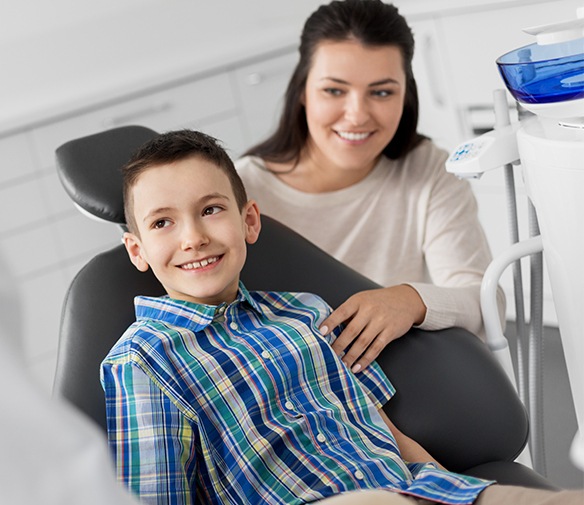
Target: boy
(220, 395)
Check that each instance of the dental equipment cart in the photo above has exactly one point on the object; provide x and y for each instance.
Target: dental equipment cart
(546, 78)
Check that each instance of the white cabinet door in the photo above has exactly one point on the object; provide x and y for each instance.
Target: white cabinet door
(438, 119)
(205, 100)
(260, 88)
(227, 130)
(15, 158)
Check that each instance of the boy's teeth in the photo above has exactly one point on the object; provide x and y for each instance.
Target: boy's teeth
(199, 264)
(353, 136)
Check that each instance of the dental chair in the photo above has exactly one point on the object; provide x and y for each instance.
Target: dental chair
(452, 396)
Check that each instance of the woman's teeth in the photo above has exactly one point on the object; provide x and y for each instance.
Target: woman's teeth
(353, 136)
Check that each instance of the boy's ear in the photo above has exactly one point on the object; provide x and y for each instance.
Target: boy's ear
(251, 221)
(134, 249)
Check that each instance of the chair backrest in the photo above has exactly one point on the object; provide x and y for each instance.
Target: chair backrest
(89, 169)
(452, 395)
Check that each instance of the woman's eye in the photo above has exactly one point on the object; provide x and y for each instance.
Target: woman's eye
(214, 209)
(382, 93)
(333, 91)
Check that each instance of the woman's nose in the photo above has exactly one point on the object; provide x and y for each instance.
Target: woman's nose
(356, 110)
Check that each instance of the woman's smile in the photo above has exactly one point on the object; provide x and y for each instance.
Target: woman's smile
(353, 136)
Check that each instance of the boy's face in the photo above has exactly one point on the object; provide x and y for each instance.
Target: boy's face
(190, 231)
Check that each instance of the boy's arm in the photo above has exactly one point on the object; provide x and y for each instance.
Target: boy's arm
(411, 451)
(152, 444)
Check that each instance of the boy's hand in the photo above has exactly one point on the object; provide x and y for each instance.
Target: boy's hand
(410, 450)
(373, 319)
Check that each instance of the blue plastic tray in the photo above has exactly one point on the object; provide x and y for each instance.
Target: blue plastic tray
(545, 74)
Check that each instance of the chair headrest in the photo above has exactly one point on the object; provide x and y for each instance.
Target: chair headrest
(89, 169)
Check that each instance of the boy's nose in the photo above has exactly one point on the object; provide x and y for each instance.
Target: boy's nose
(193, 237)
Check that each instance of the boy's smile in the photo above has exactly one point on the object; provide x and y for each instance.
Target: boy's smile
(191, 231)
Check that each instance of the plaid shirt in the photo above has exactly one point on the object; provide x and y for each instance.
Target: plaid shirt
(247, 403)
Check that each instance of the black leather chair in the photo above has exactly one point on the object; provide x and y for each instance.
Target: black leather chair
(452, 396)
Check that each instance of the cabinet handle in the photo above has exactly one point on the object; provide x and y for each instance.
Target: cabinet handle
(436, 84)
(254, 79)
(134, 115)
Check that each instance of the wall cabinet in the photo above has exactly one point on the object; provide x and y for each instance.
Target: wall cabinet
(46, 240)
(260, 87)
(438, 117)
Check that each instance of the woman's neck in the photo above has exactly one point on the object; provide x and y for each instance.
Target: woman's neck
(313, 175)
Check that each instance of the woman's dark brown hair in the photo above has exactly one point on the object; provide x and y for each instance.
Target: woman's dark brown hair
(372, 23)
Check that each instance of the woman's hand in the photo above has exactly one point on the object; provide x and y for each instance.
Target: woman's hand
(373, 319)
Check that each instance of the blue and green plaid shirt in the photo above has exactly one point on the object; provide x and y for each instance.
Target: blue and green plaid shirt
(247, 403)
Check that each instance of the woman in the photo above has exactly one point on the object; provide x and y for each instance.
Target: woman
(347, 169)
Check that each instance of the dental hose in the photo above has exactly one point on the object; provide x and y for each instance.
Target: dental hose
(536, 350)
(502, 119)
(521, 328)
(529, 343)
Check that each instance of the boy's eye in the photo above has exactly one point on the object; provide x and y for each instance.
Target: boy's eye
(161, 223)
(213, 209)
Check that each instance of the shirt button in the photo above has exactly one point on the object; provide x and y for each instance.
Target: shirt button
(266, 354)
(359, 475)
(321, 438)
(289, 405)
(233, 326)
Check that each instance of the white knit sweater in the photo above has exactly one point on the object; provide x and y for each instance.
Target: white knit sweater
(408, 221)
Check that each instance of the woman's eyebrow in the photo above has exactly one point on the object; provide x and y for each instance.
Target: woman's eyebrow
(381, 82)
(389, 80)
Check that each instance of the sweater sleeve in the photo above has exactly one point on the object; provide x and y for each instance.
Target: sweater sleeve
(456, 253)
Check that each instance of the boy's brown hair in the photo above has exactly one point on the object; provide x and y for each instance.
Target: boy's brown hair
(176, 146)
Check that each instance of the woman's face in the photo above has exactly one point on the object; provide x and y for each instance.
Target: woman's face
(354, 100)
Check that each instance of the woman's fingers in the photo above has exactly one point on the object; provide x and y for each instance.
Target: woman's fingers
(372, 320)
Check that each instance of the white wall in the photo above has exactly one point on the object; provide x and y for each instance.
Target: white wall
(22, 20)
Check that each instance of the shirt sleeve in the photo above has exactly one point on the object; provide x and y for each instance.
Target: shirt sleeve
(152, 443)
(376, 384)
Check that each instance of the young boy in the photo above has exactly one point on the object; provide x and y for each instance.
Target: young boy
(220, 395)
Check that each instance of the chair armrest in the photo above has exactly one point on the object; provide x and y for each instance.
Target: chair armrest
(454, 398)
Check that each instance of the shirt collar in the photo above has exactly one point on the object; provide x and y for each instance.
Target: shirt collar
(188, 315)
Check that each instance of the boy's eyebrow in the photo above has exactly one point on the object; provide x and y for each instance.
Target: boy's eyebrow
(155, 212)
(204, 199)
(381, 82)
(212, 196)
